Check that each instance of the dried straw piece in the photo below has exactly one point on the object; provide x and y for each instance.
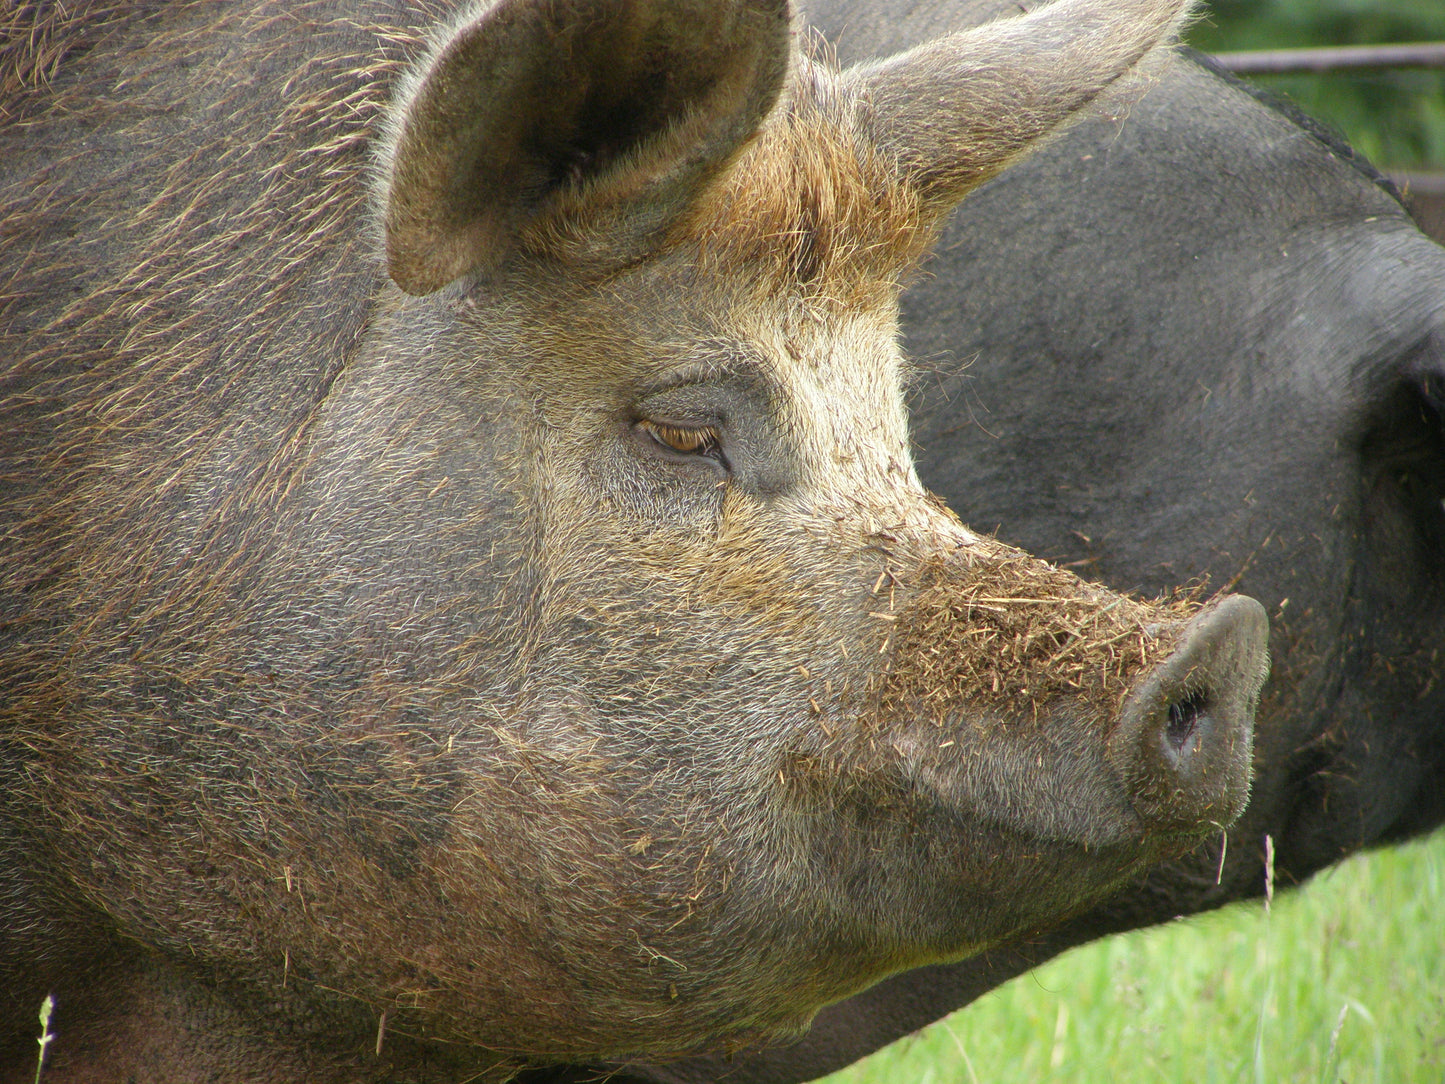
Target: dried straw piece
(1005, 634)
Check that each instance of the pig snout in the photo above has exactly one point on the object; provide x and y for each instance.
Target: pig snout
(1074, 716)
(1185, 737)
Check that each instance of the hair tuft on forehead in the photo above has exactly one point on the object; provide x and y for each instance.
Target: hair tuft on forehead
(812, 205)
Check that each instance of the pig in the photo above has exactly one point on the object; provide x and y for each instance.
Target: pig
(467, 601)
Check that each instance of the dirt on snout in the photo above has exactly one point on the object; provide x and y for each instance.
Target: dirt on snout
(1007, 633)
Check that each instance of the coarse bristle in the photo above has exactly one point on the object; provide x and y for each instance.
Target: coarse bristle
(812, 205)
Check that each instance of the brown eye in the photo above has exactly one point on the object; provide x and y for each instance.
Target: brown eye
(685, 439)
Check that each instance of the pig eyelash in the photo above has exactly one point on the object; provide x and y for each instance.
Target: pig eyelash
(702, 440)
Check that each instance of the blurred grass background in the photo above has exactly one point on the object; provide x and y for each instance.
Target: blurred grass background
(1397, 117)
(1341, 982)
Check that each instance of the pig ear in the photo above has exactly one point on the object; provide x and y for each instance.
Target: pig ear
(624, 108)
(954, 112)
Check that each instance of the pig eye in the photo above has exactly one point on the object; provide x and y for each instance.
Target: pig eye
(698, 440)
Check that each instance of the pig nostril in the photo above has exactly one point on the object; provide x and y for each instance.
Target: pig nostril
(1184, 716)
(1186, 736)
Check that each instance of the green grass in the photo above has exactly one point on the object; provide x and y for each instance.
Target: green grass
(1342, 982)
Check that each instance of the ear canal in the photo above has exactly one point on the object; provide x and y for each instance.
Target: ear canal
(621, 110)
(956, 111)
